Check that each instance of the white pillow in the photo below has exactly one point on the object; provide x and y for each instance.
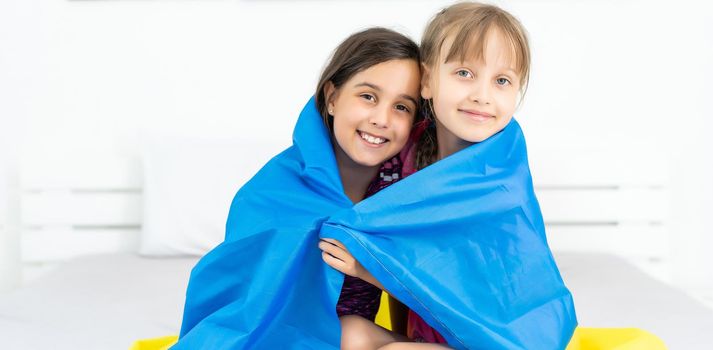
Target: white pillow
(189, 183)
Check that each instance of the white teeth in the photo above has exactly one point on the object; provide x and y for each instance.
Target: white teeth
(371, 139)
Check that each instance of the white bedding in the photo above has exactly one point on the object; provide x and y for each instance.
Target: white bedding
(96, 302)
(610, 292)
(107, 301)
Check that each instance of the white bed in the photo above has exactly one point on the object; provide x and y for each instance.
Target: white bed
(96, 302)
(108, 301)
(174, 204)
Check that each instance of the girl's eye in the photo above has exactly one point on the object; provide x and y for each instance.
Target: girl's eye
(368, 97)
(464, 73)
(502, 81)
(403, 108)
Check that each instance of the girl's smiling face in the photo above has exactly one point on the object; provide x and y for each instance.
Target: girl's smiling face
(476, 98)
(374, 110)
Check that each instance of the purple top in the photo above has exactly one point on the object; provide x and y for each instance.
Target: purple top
(359, 297)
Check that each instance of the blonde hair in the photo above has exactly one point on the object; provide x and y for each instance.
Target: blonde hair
(469, 24)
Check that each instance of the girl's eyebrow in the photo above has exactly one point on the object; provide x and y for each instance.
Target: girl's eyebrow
(410, 98)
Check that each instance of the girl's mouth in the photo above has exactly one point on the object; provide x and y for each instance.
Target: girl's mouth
(476, 115)
(372, 140)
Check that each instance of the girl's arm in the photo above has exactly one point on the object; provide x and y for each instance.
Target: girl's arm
(336, 255)
(364, 275)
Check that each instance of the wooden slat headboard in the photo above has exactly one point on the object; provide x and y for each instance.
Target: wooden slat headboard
(81, 206)
(590, 202)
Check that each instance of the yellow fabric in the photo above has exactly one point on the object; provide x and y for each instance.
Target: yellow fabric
(614, 339)
(583, 339)
(161, 343)
(383, 318)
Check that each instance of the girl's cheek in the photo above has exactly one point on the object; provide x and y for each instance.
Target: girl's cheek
(512, 103)
(507, 99)
(403, 135)
(405, 131)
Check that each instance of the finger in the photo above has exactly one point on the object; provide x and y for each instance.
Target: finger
(333, 251)
(327, 241)
(334, 262)
(334, 242)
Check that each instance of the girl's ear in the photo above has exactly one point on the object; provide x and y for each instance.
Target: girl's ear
(329, 95)
(426, 92)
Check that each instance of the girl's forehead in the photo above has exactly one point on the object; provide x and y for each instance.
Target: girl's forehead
(490, 47)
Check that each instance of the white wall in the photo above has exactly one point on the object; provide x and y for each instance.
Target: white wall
(691, 158)
(86, 77)
(10, 262)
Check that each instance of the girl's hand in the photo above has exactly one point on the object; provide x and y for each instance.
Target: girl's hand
(336, 255)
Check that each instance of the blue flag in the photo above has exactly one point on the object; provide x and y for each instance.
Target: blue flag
(461, 242)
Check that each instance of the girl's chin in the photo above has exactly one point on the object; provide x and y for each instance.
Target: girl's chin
(476, 135)
(370, 164)
(370, 160)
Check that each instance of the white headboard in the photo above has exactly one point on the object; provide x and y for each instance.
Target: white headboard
(591, 201)
(606, 201)
(80, 206)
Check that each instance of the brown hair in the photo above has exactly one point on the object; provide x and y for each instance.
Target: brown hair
(469, 24)
(359, 52)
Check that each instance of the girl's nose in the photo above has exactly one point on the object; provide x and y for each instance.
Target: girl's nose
(380, 117)
(480, 93)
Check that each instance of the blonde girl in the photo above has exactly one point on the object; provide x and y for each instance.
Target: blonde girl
(475, 69)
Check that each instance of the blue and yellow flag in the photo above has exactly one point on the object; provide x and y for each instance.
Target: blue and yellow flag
(461, 242)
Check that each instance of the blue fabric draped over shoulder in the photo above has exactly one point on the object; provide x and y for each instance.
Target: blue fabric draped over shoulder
(461, 242)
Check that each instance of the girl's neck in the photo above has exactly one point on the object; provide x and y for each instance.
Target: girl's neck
(356, 178)
(448, 143)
